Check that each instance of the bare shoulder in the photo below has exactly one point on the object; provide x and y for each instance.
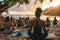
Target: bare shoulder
(42, 22)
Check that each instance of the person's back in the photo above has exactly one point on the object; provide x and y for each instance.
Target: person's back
(19, 24)
(7, 25)
(47, 22)
(37, 26)
(27, 22)
(55, 21)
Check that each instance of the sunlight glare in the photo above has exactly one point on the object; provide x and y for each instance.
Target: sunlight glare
(50, 4)
(56, 3)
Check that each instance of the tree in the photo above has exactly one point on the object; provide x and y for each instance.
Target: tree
(5, 4)
(42, 1)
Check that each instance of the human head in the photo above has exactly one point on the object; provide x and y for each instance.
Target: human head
(27, 18)
(7, 19)
(55, 18)
(38, 12)
(47, 18)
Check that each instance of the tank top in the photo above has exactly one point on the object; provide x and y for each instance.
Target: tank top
(37, 29)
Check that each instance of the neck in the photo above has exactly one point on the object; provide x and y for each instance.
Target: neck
(38, 17)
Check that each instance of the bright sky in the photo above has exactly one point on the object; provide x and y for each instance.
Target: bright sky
(31, 7)
(28, 7)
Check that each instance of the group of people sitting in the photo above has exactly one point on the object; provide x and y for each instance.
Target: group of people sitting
(48, 22)
(7, 23)
(36, 25)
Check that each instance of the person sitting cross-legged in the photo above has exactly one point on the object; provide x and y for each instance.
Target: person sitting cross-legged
(37, 26)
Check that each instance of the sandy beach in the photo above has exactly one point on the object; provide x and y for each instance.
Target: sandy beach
(53, 34)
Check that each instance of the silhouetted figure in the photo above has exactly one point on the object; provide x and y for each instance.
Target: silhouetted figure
(47, 22)
(19, 24)
(55, 21)
(27, 22)
(37, 26)
(7, 25)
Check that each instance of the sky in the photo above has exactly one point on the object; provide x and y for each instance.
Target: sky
(31, 7)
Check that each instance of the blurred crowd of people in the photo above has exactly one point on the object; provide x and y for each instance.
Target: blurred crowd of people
(54, 22)
(10, 22)
(8, 25)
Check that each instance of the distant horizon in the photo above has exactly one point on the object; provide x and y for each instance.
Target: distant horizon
(31, 15)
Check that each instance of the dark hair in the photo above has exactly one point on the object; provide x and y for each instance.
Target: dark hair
(47, 18)
(38, 12)
(27, 18)
(20, 18)
(7, 19)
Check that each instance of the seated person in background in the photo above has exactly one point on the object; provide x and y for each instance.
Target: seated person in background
(47, 22)
(7, 25)
(19, 24)
(55, 22)
(37, 26)
(27, 22)
(13, 21)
